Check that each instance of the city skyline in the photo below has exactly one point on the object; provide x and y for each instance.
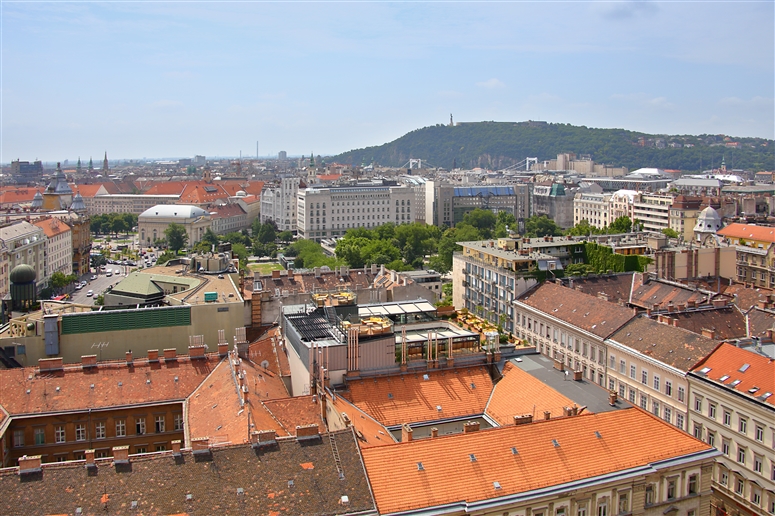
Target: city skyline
(159, 79)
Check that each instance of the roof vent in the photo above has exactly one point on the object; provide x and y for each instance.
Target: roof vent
(426, 377)
(744, 368)
(496, 485)
(514, 451)
(134, 504)
(291, 483)
(597, 434)
(240, 491)
(120, 384)
(91, 386)
(189, 497)
(390, 395)
(555, 443)
(344, 500)
(438, 408)
(148, 381)
(420, 467)
(58, 388)
(473, 386)
(472, 457)
(28, 391)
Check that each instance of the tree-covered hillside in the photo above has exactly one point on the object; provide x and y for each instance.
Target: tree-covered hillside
(497, 145)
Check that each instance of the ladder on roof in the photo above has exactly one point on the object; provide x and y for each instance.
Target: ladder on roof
(335, 452)
(330, 314)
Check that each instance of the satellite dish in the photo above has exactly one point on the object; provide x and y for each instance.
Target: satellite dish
(265, 364)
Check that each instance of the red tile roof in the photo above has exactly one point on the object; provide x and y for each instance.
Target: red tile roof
(587, 312)
(413, 399)
(52, 227)
(368, 430)
(519, 393)
(626, 441)
(748, 232)
(12, 195)
(297, 411)
(729, 361)
(647, 292)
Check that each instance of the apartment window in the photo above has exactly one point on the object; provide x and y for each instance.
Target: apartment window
(692, 485)
(712, 439)
(679, 420)
(741, 452)
(724, 478)
(697, 431)
(772, 498)
(649, 497)
(141, 449)
(757, 464)
(99, 430)
(140, 426)
(681, 394)
(655, 408)
(671, 489)
(40, 435)
(120, 428)
(611, 384)
(698, 404)
(712, 410)
(581, 510)
(622, 366)
(59, 434)
(159, 424)
(667, 414)
(756, 496)
(739, 486)
(602, 509)
(742, 425)
(633, 371)
(80, 432)
(18, 438)
(632, 396)
(161, 447)
(668, 388)
(178, 422)
(727, 418)
(643, 401)
(612, 362)
(656, 382)
(624, 503)
(725, 446)
(759, 433)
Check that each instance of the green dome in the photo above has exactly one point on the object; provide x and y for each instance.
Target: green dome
(23, 273)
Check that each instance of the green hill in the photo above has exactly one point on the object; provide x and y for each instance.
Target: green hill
(497, 145)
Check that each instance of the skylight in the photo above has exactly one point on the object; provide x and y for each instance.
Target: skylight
(705, 370)
(724, 378)
(735, 383)
(744, 368)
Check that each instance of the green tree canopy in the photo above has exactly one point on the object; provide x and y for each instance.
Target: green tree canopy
(540, 226)
(177, 238)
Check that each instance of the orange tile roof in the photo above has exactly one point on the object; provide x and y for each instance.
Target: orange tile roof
(16, 195)
(367, 429)
(215, 411)
(520, 393)
(52, 227)
(297, 411)
(415, 399)
(749, 232)
(269, 347)
(626, 442)
(329, 177)
(166, 188)
(110, 384)
(728, 360)
(87, 190)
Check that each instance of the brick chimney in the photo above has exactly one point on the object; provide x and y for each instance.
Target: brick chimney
(29, 464)
(170, 354)
(719, 303)
(200, 445)
(176, 447)
(523, 419)
(49, 365)
(129, 358)
(266, 437)
(307, 432)
(470, 427)
(612, 398)
(275, 274)
(709, 333)
(547, 415)
(196, 352)
(153, 355)
(89, 456)
(223, 347)
(691, 303)
(434, 432)
(120, 455)
(88, 361)
(406, 433)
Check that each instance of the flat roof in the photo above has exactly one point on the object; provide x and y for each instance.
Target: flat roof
(404, 307)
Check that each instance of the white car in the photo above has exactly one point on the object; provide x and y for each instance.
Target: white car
(90, 293)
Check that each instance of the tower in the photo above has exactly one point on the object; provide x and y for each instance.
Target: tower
(723, 165)
(451, 124)
(78, 167)
(91, 165)
(105, 162)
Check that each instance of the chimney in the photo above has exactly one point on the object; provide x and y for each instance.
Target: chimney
(176, 448)
(120, 455)
(88, 361)
(307, 432)
(691, 303)
(200, 445)
(245, 396)
(470, 427)
(523, 419)
(223, 349)
(567, 411)
(89, 456)
(670, 307)
(170, 354)
(719, 303)
(706, 332)
(612, 398)
(762, 304)
(674, 322)
(129, 358)
(547, 415)
(406, 433)
(681, 307)
(29, 464)
(49, 365)
(153, 355)
(266, 437)
(434, 432)
(196, 352)
(275, 274)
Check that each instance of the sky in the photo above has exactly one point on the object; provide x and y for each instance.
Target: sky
(157, 79)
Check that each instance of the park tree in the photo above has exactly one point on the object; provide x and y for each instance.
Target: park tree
(504, 222)
(483, 220)
(540, 226)
(177, 238)
(622, 224)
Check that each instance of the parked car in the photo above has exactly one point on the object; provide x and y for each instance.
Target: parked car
(90, 293)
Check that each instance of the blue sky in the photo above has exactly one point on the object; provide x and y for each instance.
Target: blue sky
(157, 79)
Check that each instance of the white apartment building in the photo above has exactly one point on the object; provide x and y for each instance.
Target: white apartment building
(126, 203)
(330, 212)
(621, 203)
(59, 246)
(420, 187)
(26, 243)
(280, 204)
(648, 362)
(732, 408)
(653, 211)
(595, 208)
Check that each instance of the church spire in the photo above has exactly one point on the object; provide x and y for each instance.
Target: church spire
(91, 165)
(105, 162)
(78, 167)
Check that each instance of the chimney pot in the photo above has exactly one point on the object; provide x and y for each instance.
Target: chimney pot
(223, 349)
(196, 352)
(170, 354)
(128, 357)
(153, 355)
(406, 433)
(471, 426)
(176, 447)
(434, 432)
(88, 361)
(547, 414)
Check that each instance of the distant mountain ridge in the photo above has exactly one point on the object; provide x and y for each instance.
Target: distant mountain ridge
(497, 145)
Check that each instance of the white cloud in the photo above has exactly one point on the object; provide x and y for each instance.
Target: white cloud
(491, 84)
